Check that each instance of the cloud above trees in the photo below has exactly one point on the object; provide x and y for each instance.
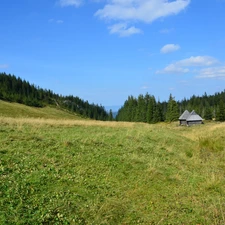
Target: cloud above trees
(186, 65)
(133, 11)
(4, 66)
(123, 14)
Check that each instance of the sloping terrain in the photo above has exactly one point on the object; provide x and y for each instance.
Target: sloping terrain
(16, 110)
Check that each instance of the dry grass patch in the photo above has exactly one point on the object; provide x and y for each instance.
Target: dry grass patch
(62, 122)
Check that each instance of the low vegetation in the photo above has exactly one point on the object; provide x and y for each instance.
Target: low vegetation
(16, 110)
(64, 171)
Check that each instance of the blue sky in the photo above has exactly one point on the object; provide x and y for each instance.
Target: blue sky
(104, 51)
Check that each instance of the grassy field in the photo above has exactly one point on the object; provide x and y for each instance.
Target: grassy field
(67, 171)
(22, 111)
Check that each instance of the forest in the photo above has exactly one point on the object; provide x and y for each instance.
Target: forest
(14, 89)
(144, 108)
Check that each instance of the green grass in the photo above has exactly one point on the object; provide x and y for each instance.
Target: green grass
(111, 173)
(16, 110)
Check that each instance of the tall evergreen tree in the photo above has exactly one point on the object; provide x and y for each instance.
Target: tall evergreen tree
(220, 115)
(208, 113)
(110, 115)
(141, 109)
(172, 113)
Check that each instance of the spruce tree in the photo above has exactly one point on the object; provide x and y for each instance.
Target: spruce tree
(110, 115)
(220, 116)
(172, 113)
(208, 113)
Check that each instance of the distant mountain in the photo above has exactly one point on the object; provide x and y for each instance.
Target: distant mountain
(114, 108)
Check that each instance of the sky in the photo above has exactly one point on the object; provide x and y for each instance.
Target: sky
(104, 51)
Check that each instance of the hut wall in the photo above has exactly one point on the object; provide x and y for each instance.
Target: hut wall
(190, 123)
(183, 122)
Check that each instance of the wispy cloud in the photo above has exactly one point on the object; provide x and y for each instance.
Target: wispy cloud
(173, 69)
(4, 66)
(145, 87)
(147, 11)
(65, 3)
(55, 21)
(198, 61)
(166, 31)
(59, 21)
(169, 48)
(141, 10)
(212, 72)
(185, 65)
(123, 30)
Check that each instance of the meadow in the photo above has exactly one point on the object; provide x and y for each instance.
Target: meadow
(58, 170)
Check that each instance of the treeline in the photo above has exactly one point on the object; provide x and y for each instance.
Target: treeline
(207, 106)
(14, 89)
(145, 108)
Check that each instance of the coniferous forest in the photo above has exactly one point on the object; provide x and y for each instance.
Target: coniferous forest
(144, 108)
(15, 89)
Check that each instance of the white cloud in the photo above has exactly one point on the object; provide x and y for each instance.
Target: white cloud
(184, 65)
(4, 66)
(141, 10)
(173, 69)
(133, 11)
(59, 21)
(55, 21)
(212, 72)
(145, 87)
(123, 30)
(198, 61)
(169, 48)
(65, 3)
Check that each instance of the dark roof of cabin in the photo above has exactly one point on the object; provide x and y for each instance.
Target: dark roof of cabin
(185, 115)
(194, 117)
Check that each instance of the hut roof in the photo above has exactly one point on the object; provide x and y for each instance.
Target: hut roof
(194, 117)
(185, 115)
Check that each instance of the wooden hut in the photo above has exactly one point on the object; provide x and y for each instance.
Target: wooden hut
(194, 118)
(190, 118)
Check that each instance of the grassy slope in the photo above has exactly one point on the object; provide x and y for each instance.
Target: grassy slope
(19, 110)
(73, 172)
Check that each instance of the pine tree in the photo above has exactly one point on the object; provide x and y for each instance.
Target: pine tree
(220, 115)
(172, 113)
(208, 113)
(141, 110)
(110, 115)
(151, 110)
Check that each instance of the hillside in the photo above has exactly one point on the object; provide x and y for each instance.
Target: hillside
(14, 89)
(16, 110)
(95, 172)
